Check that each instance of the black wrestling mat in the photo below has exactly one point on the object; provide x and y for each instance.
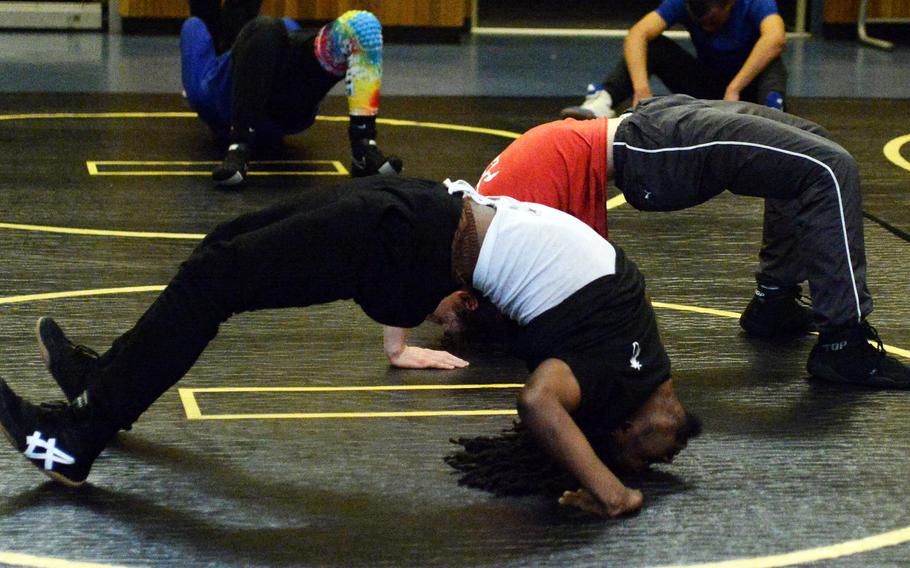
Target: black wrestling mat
(292, 443)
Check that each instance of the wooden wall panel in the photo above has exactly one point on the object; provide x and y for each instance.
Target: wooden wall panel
(845, 11)
(423, 13)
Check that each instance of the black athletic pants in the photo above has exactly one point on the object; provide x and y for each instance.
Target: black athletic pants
(675, 152)
(276, 75)
(683, 73)
(300, 254)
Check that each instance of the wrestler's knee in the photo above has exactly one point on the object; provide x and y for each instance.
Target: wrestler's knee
(365, 28)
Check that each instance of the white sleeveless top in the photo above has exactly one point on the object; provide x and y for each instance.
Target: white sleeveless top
(533, 257)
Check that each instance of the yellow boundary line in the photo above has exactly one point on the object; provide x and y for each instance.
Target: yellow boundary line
(193, 412)
(728, 314)
(892, 151)
(321, 118)
(92, 167)
(17, 559)
(78, 294)
(100, 232)
(848, 548)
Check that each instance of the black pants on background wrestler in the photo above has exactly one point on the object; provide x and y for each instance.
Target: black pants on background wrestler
(676, 152)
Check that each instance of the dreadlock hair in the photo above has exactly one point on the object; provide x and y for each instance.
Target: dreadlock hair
(698, 9)
(513, 464)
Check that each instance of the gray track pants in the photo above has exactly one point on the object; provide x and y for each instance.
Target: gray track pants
(676, 152)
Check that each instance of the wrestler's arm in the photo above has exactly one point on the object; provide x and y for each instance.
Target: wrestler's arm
(545, 403)
(400, 354)
(635, 49)
(770, 46)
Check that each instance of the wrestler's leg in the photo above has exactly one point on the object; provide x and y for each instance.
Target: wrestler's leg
(351, 47)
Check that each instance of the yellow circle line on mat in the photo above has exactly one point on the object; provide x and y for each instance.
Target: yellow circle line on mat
(389, 121)
(17, 559)
(101, 232)
(729, 314)
(892, 151)
(847, 548)
(78, 294)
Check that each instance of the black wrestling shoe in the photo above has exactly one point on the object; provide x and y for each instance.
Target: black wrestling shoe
(62, 440)
(781, 313)
(68, 363)
(232, 170)
(848, 357)
(368, 160)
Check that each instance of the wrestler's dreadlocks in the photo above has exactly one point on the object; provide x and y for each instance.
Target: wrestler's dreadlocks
(512, 464)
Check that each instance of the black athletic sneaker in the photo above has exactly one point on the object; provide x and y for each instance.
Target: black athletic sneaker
(367, 160)
(774, 314)
(68, 363)
(848, 357)
(232, 170)
(62, 440)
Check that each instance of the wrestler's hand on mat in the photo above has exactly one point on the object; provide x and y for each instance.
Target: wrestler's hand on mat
(731, 94)
(419, 358)
(629, 501)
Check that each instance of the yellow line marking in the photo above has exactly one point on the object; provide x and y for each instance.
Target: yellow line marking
(100, 232)
(93, 170)
(356, 388)
(78, 293)
(16, 559)
(726, 314)
(892, 151)
(389, 121)
(96, 115)
(191, 405)
(615, 201)
(848, 548)
(325, 415)
(436, 125)
(696, 309)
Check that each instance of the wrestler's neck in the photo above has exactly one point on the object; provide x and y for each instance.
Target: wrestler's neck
(483, 216)
(612, 125)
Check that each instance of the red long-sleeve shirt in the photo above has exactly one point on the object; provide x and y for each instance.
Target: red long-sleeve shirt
(560, 164)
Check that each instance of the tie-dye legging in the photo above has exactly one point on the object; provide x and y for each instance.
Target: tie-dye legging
(351, 46)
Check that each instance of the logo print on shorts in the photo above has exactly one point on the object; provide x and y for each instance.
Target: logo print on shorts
(636, 351)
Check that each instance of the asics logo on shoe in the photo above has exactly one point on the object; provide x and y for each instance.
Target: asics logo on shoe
(362, 164)
(636, 351)
(51, 454)
(834, 346)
